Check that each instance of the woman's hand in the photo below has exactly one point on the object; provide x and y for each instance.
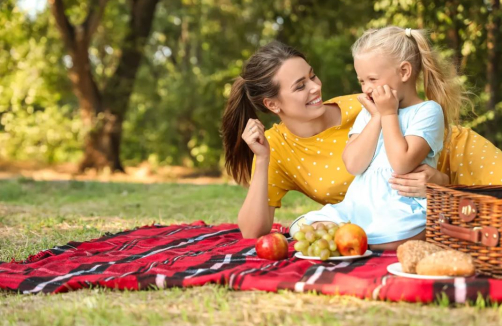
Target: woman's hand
(254, 136)
(413, 183)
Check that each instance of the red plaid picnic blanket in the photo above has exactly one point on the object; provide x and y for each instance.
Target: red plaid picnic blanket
(196, 254)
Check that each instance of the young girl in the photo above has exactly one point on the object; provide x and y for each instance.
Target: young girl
(394, 133)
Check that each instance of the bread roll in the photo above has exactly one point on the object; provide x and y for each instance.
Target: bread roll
(411, 252)
(446, 263)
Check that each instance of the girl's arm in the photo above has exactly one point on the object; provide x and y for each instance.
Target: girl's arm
(360, 149)
(256, 216)
(404, 153)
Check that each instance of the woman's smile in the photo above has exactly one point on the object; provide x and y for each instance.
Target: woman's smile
(315, 102)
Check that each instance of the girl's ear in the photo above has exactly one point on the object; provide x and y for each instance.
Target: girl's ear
(406, 71)
(272, 105)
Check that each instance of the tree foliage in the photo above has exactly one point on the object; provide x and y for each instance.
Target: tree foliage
(193, 52)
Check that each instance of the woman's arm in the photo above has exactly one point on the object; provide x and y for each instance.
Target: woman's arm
(360, 149)
(256, 216)
(413, 183)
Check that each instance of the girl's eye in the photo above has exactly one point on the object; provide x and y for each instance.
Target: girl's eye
(313, 77)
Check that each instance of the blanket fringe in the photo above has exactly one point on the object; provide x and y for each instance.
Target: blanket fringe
(34, 258)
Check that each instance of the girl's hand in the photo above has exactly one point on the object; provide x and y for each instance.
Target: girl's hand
(254, 136)
(413, 183)
(386, 100)
(368, 104)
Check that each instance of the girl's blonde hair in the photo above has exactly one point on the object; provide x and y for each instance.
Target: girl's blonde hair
(441, 82)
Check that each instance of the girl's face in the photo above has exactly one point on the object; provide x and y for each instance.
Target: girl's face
(299, 95)
(374, 69)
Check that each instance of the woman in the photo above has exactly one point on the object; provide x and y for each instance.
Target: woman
(304, 151)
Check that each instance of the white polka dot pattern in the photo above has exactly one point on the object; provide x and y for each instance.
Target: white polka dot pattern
(311, 165)
(483, 167)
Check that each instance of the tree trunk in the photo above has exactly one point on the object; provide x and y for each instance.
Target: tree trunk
(102, 144)
(493, 40)
(103, 111)
(453, 35)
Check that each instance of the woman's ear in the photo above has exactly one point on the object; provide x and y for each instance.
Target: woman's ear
(272, 105)
(406, 71)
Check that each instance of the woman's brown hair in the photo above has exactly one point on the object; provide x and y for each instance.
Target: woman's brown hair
(246, 97)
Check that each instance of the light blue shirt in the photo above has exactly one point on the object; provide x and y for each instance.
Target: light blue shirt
(370, 201)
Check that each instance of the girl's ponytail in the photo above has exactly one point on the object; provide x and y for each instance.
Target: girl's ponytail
(238, 111)
(441, 82)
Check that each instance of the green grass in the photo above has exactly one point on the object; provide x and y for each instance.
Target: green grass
(39, 215)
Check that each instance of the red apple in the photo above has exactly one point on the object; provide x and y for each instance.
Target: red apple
(272, 246)
(351, 240)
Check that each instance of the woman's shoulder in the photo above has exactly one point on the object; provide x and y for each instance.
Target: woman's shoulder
(346, 102)
(276, 131)
(277, 135)
(350, 108)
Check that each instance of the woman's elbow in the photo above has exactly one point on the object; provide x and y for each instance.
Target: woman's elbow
(253, 231)
(249, 235)
(252, 234)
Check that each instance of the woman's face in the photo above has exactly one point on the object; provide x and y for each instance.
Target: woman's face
(299, 95)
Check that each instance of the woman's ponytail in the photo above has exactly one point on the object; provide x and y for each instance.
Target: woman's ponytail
(239, 110)
(255, 84)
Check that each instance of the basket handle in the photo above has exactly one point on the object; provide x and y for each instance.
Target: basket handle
(486, 235)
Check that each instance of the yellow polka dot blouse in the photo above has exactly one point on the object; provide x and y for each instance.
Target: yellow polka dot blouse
(469, 159)
(314, 165)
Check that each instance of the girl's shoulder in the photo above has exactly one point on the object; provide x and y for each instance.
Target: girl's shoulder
(426, 108)
(425, 105)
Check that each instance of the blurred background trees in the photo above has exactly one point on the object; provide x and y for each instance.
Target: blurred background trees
(108, 83)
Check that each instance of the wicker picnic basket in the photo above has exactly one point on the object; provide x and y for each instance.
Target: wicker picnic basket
(467, 219)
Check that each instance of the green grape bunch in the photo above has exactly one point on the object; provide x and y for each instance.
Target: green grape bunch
(318, 241)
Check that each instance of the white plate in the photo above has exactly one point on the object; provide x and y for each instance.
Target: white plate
(296, 224)
(366, 254)
(396, 269)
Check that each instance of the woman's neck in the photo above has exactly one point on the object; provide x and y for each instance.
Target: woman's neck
(305, 129)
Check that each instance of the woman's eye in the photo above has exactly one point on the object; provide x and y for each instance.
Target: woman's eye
(300, 87)
(313, 77)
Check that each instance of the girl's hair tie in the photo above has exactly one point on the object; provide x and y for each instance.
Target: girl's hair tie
(408, 32)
